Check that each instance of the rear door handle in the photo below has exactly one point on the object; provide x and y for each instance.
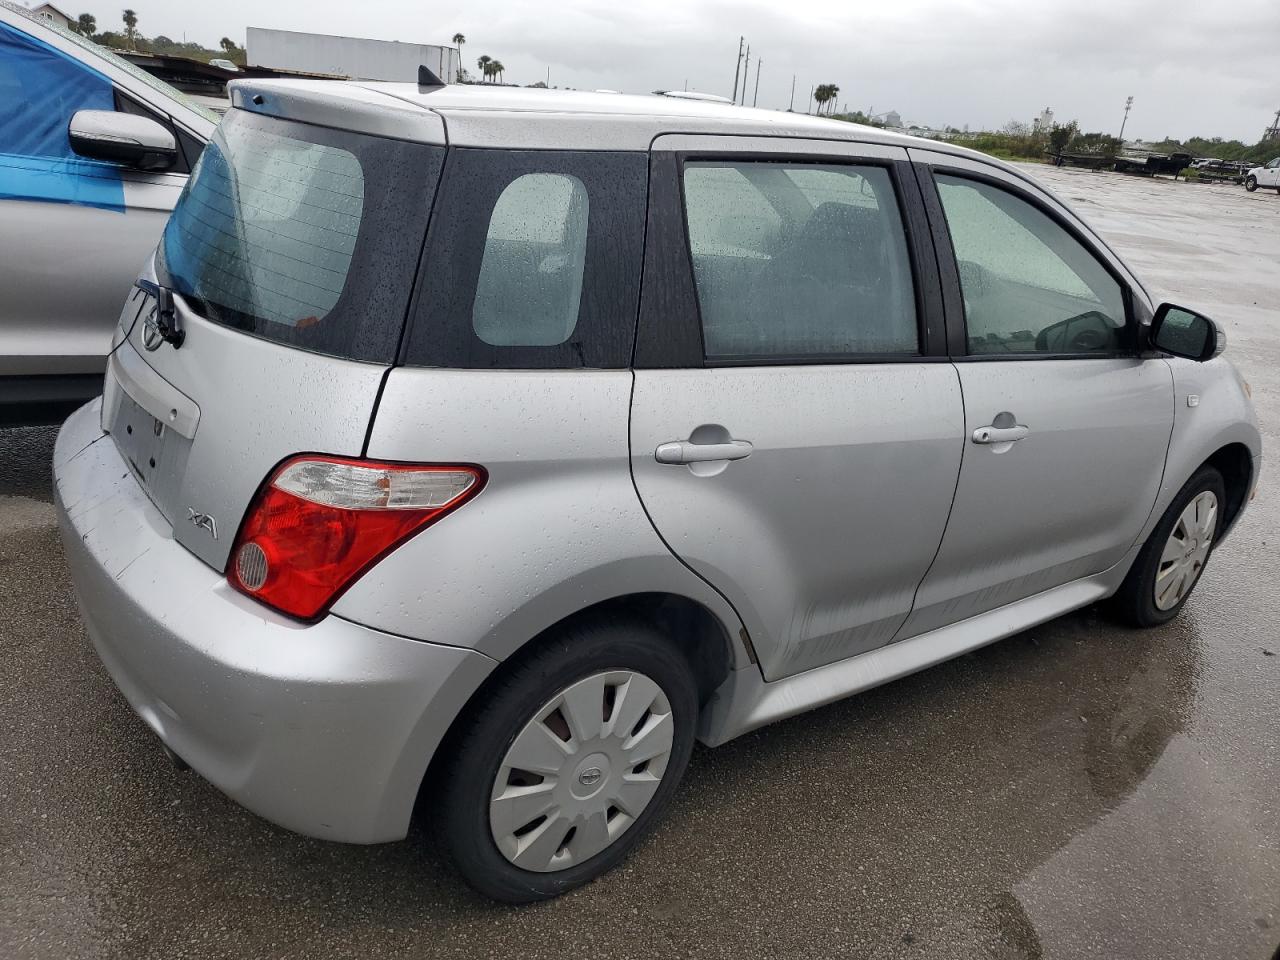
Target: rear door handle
(1000, 434)
(686, 451)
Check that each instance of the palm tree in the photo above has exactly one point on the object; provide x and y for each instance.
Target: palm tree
(483, 63)
(86, 24)
(497, 68)
(458, 41)
(130, 25)
(824, 94)
(820, 95)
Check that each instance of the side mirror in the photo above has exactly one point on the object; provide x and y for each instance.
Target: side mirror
(123, 138)
(1185, 333)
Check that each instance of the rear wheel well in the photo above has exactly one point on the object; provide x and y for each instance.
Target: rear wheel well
(1235, 463)
(697, 632)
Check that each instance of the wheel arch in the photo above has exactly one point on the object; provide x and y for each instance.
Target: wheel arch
(1235, 462)
(699, 633)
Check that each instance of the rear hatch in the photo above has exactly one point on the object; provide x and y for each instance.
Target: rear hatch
(290, 260)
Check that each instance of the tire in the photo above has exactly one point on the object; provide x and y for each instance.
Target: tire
(1251, 184)
(1137, 601)
(586, 659)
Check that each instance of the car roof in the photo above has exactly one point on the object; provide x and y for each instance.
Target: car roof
(534, 118)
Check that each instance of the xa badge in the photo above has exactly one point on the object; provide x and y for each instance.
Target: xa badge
(203, 521)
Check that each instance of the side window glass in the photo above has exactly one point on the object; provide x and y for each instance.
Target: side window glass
(40, 88)
(532, 261)
(1029, 286)
(799, 260)
(530, 286)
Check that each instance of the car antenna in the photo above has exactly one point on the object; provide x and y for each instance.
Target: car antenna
(428, 79)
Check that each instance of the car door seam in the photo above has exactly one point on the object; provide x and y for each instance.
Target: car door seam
(955, 492)
(744, 635)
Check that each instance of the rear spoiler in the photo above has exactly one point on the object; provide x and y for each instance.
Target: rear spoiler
(341, 104)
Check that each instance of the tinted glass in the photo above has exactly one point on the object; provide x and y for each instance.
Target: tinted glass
(303, 235)
(799, 260)
(1029, 286)
(533, 261)
(530, 285)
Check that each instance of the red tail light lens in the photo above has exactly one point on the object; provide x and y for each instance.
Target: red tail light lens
(320, 522)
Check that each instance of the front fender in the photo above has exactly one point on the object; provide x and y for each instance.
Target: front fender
(1211, 411)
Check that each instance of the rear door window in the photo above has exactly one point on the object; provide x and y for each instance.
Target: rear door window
(799, 260)
(533, 261)
(303, 235)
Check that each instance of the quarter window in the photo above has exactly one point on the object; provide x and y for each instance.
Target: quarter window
(532, 261)
(1029, 286)
(799, 260)
(530, 284)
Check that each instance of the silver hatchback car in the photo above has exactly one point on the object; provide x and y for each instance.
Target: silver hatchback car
(495, 445)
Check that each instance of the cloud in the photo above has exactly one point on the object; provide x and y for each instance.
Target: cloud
(1191, 67)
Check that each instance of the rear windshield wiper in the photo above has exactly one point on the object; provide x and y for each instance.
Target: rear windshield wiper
(165, 322)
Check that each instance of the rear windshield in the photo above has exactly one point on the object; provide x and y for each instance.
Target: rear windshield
(303, 235)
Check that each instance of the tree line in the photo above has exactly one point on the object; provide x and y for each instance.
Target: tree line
(131, 39)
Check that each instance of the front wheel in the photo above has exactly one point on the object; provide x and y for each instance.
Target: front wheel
(574, 754)
(1251, 184)
(1171, 561)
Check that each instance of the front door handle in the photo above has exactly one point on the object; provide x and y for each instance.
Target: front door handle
(686, 451)
(1000, 434)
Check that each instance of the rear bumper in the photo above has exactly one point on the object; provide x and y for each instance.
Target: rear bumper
(325, 729)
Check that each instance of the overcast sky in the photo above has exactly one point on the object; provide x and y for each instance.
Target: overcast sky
(1192, 67)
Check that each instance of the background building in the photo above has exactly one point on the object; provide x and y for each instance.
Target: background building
(51, 14)
(351, 57)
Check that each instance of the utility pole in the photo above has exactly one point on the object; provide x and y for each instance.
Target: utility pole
(1127, 105)
(746, 75)
(737, 65)
(791, 104)
(809, 108)
(1273, 132)
(756, 96)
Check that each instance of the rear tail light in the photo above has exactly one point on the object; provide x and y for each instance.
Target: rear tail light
(320, 522)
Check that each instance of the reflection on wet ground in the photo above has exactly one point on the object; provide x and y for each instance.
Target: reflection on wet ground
(1079, 790)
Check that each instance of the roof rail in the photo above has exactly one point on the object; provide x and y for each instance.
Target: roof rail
(693, 95)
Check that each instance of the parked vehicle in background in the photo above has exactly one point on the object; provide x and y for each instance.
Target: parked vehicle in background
(1264, 176)
(93, 156)
(493, 444)
(1210, 168)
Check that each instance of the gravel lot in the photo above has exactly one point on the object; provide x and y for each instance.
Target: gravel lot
(1079, 790)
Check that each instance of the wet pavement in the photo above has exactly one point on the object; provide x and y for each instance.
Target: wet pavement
(1079, 790)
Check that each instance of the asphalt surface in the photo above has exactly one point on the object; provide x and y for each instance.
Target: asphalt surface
(1079, 790)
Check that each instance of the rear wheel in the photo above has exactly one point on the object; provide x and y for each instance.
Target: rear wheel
(1174, 556)
(1251, 184)
(575, 753)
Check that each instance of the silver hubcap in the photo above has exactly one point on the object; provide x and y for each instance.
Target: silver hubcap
(1186, 551)
(581, 771)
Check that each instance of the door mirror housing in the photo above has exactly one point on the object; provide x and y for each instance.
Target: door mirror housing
(122, 138)
(1185, 333)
